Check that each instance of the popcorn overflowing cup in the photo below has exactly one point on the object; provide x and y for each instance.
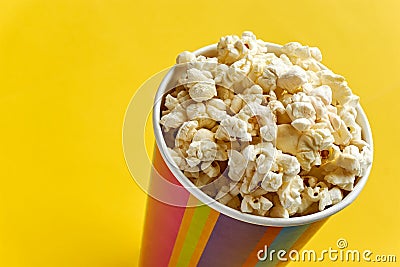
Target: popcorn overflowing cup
(262, 165)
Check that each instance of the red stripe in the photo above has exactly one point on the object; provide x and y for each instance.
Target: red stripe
(162, 220)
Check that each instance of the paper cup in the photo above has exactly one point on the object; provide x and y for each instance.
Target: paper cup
(183, 231)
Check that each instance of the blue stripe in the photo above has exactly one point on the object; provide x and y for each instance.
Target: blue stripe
(285, 240)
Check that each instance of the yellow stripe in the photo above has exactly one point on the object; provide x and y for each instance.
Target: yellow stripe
(180, 239)
(201, 244)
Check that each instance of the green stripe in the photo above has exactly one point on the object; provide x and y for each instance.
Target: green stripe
(285, 240)
(193, 234)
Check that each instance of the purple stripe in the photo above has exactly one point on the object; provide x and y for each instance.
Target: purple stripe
(231, 242)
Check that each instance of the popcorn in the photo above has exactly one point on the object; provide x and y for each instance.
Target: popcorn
(341, 93)
(269, 134)
(341, 178)
(231, 48)
(288, 164)
(200, 84)
(202, 91)
(324, 93)
(253, 94)
(278, 211)
(216, 109)
(267, 80)
(365, 160)
(233, 128)
(293, 79)
(259, 205)
(264, 156)
(201, 151)
(276, 106)
(222, 151)
(322, 194)
(174, 119)
(342, 169)
(342, 135)
(213, 170)
(171, 102)
(278, 65)
(181, 162)
(287, 139)
(336, 195)
(186, 132)
(223, 195)
(301, 111)
(351, 125)
(310, 143)
(183, 98)
(196, 110)
(303, 56)
(185, 57)
(205, 64)
(272, 181)
(203, 134)
(289, 193)
(207, 123)
(224, 93)
(236, 104)
(237, 165)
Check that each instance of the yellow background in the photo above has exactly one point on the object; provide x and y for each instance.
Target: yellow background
(69, 68)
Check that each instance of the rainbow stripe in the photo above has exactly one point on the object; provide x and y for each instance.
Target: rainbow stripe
(201, 236)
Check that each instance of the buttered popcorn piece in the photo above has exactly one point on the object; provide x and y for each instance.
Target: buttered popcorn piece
(287, 139)
(309, 147)
(267, 132)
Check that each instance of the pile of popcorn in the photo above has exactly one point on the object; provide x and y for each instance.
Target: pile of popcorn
(267, 133)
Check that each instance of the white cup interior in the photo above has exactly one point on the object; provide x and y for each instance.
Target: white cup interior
(170, 80)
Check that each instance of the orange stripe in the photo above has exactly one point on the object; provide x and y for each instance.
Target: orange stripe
(207, 230)
(186, 221)
(303, 239)
(267, 239)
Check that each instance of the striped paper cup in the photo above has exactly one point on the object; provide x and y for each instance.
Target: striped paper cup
(186, 227)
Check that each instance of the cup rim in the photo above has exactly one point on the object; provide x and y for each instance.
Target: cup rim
(250, 218)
